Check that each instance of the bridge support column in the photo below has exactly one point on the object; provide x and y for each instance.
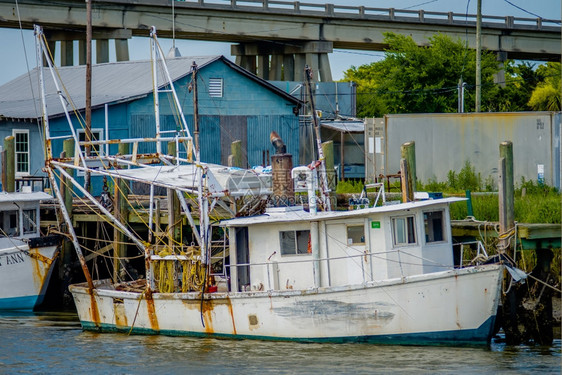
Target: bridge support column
(499, 77)
(67, 53)
(263, 66)
(102, 51)
(101, 39)
(122, 49)
(286, 61)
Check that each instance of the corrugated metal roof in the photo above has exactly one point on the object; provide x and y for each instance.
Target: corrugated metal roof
(24, 197)
(111, 82)
(344, 126)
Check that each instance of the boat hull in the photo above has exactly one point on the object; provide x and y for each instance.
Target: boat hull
(454, 307)
(24, 275)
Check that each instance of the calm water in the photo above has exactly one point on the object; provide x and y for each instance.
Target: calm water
(55, 343)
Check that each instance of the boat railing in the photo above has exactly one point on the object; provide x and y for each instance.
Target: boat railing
(363, 260)
(481, 254)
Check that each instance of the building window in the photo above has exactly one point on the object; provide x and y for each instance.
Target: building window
(404, 230)
(355, 234)
(21, 151)
(97, 135)
(433, 224)
(215, 87)
(29, 221)
(295, 242)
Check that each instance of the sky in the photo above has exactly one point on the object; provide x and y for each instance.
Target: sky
(19, 46)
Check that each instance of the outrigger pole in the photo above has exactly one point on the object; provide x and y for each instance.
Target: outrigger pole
(40, 52)
(321, 159)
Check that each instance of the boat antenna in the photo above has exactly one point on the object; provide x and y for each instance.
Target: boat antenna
(315, 122)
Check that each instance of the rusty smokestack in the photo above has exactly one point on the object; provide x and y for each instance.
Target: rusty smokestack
(281, 166)
(278, 143)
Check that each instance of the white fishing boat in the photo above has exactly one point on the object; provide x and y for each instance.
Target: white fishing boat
(384, 273)
(26, 257)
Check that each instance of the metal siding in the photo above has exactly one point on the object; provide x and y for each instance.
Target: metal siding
(210, 141)
(556, 153)
(445, 141)
(233, 128)
(259, 130)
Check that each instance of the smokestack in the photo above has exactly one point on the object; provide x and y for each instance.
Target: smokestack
(281, 166)
(277, 142)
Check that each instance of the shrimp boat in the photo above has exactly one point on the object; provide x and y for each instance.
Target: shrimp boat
(381, 274)
(26, 257)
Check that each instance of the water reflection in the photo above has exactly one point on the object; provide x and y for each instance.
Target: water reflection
(55, 343)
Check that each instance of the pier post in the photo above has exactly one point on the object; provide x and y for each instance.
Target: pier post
(506, 193)
(66, 190)
(236, 153)
(121, 212)
(408, 152)
(10, 177)
(174, 217)
(407, 193)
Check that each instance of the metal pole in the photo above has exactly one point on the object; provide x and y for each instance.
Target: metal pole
(88, 86)
(324, 179)
(478, 53)
(155, 90)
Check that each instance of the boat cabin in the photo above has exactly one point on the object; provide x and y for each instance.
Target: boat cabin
(19, 214)
(289, 248)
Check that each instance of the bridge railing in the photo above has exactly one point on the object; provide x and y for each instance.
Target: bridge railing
(369, 13)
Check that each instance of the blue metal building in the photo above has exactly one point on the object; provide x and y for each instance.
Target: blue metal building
(233, 103)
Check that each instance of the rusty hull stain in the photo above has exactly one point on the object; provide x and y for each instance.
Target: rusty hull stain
(151, 310)
(206, 311)
(94, 312)
(119, 312)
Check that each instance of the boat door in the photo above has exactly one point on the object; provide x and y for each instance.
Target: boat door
(242, 257)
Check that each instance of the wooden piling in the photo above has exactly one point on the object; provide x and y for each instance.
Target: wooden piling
(408, 152)
(328, 150)
(506, 191)
(236, 152)
(407, 193)
(9, 146)
(174, 217)
(4, 170)
(121, 212)
(66, 190)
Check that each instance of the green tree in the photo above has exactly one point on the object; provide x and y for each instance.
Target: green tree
(412, 79)
(520, 81)
(546, 95)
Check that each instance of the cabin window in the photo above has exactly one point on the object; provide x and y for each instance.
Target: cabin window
(10, 223)
(97, 135)
(433, 223)
(215, 87)
(29, 221)
(404, 230)
(21, 151)
(355, 234)
(295, 242)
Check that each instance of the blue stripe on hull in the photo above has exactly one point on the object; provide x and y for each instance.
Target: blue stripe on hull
(479, 336)
(18, 303)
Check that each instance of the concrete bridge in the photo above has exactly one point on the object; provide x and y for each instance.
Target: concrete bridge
(274, 38)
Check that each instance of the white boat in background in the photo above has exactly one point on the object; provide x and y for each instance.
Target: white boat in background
(382, 274)
(26, 257)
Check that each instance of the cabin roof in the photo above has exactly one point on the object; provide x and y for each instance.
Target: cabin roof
(24, 197)
(112, 82)
(301, 215)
